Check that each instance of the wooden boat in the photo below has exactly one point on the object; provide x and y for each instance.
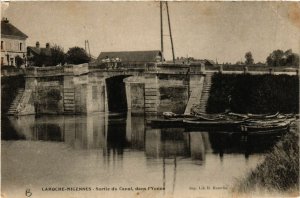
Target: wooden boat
(264, 122)
(215, 124)
(291, 116)
(256, 116)
(270, 131)
(229, 115)
(171, 115)
(225, 121)
(171, 119)
(263, 116)
(162, 123)
(218, 117)
(260, 127)
(168, 120)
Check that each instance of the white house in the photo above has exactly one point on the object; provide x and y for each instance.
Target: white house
(13, 44)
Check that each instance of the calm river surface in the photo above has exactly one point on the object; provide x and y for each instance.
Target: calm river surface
(119, 150)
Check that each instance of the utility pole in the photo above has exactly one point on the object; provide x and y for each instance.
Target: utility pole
(88, 45)
(170, 31)
(161, 34)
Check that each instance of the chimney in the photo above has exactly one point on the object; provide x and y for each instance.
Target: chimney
(37, 44)
(5, 20)
(47, 45)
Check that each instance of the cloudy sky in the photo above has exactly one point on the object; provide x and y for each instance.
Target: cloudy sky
(212, 30)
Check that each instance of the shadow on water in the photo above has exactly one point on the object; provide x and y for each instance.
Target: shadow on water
(229, 143)
(9, 132)
(117, 132)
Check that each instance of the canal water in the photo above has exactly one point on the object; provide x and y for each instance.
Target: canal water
(89, 156)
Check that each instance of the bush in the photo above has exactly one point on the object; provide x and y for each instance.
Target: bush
(280, 169)
(19, 61)
(254, 93)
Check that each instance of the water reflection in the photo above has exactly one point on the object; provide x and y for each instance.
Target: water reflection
(230, 143)
(116, 132)
(121, 146)
(174, 142)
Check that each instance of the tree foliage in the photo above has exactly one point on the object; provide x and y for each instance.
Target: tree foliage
(55, 57)
(19, 61)
(254, 93)
(37, 60)
(77, 55)
(249, 58)
(281, 58)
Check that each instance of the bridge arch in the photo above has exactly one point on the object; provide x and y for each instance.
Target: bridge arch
(116, 93)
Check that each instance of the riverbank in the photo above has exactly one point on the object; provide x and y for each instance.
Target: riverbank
(278, 173)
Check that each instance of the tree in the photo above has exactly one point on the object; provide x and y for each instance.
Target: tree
(280, 58)
(53, 57)
(57, 55)
(275, 58)
(38, 59)
(19, 61)
(249, 58)
(292, 59)
(239, 63)
(77, 55)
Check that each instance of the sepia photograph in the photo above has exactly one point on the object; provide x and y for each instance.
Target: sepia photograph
(149, 99)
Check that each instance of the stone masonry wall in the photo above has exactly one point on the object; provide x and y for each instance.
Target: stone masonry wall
(173, 93)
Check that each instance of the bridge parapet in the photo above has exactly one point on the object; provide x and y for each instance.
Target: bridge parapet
(76, 69)
(180, 68)
(197, 69)
(44, 71)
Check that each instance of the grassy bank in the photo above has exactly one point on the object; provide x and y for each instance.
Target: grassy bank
(279, 172)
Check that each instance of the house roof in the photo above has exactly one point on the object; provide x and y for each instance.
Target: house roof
(204, 61)
(210, 61)
(131, 56)
(8, 29)
(39, 50)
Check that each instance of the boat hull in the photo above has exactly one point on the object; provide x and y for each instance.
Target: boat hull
(166, 123)
(271, 131)
(213, 125)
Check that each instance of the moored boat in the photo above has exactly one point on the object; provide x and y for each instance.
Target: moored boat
(215, 124)
(268, 131)
(171, 115)
(225, 121)
(259, 127)
(163, 123)
(256, 116)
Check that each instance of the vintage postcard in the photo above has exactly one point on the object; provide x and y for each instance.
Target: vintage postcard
(176, 99)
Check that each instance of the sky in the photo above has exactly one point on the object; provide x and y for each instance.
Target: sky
(222, 31)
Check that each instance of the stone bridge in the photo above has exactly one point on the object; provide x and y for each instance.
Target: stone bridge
(82, 89)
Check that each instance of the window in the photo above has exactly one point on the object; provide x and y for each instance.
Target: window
(2, 60)
(2, 44)
(20, 46)
(11, 61)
